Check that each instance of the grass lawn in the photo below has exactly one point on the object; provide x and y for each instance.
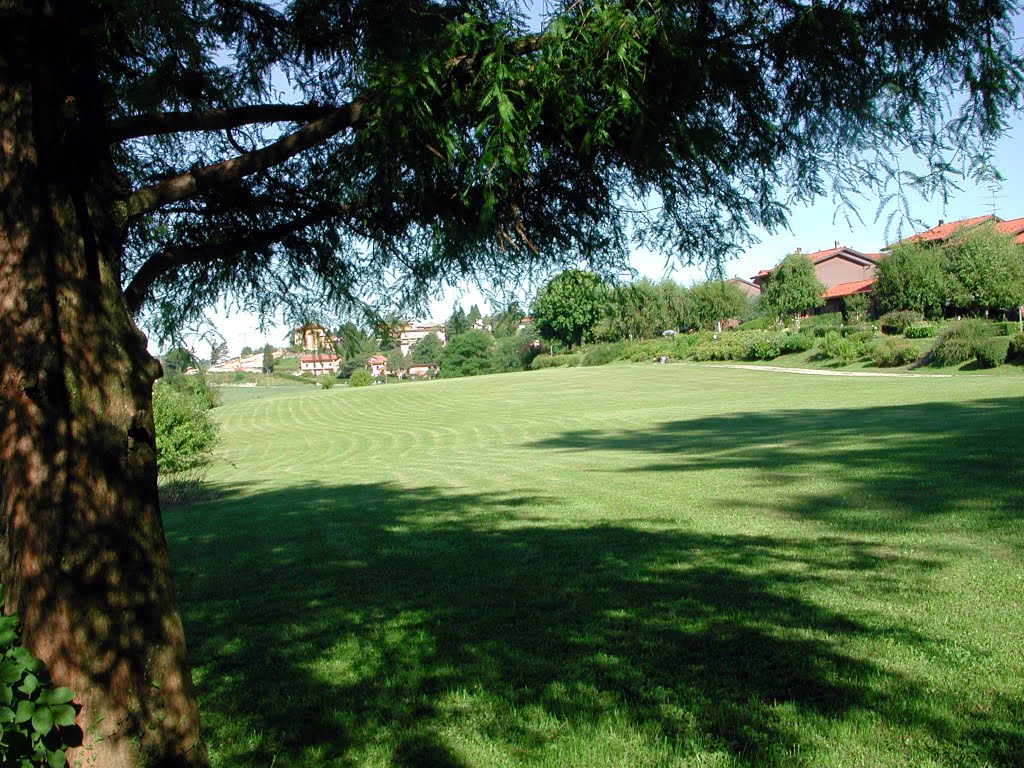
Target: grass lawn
(674, 565)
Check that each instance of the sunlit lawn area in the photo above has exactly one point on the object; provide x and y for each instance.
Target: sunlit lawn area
(674, 565)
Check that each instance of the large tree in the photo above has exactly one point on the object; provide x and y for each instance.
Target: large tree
(569, 305)
(792, 287)
(149, 167)
(912, 277)
(713, 302)
(986, 270)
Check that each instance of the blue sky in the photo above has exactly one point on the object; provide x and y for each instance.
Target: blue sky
(811, 228)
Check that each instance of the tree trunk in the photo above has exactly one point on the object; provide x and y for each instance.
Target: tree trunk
(82, 552)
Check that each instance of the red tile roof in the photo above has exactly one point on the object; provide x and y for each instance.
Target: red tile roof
(318, 359)
(944, 230)
(1012, 227)
(848, 289)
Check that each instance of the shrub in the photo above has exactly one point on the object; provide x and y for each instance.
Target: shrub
(719, 349)
(327, 382)
(855, 328)
(549, 361)
(32, 711)
(185, 433)
(758, 324)
(1015, 353)
(842, 349)
(991, 352)
(1005, 328)
(827, 322)
(920, 331)
(892, 353)
(796, 342)
(765, 348)
(360, 378)
(895, 323)
(959, 342)
(862, 336)
(602, 354)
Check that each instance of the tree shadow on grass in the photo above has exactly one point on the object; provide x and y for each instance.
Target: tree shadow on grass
(327, 622)
(913, 461)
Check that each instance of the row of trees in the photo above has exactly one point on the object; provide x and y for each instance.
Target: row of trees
(578, 306)
(976, 272)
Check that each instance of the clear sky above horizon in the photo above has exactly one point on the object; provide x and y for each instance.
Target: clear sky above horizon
(811, 228)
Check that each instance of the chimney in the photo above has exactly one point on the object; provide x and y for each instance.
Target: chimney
(837, 244)
(941, 222)
(799, 250)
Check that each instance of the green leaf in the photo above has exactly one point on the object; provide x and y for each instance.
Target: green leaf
(24, 712)
(30, 685)
(6, 715)
(10, 672)
(42, 720)
(57, 759)
(6, 694)
(56, 696)
(63, 714)
(27, 660)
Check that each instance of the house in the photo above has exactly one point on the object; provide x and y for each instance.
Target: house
(834, 266)
(842, 270)
(378, 365)
(749, 289)
(423, 369)
(247, 364)
(943, 231)
(523, 322)
(319, 364)
(410, 334)
(312, 338)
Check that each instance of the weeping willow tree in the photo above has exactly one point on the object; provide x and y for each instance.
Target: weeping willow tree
(157, 156)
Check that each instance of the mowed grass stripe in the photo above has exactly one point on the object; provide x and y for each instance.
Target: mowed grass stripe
(632, 565)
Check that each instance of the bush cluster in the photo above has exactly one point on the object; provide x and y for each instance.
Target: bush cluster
(185, 433)
(360, 378)
(845, 350)
(920, 331)
(795, 342)
(991, 352)
(893, 353)
(1015, 351)
(602, 354)
(960, 342)
(895, 323)
(765, 348)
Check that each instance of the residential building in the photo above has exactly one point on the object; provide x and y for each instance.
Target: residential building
(312, 338)
(378, 365)
(751, 290)
(247, 364)
(943, 231)
(410, 334)
(423, 369)
(842, 270)
(319, 364)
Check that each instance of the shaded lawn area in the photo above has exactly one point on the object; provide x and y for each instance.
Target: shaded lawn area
(804, 586)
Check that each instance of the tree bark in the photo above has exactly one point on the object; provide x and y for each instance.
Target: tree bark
(82, 552)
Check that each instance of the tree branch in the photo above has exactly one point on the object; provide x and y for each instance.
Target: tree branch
(187, 184)
(136, 126)
(162, 262)
(190, 183)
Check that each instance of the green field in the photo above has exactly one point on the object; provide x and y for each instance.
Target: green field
(676, 565)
